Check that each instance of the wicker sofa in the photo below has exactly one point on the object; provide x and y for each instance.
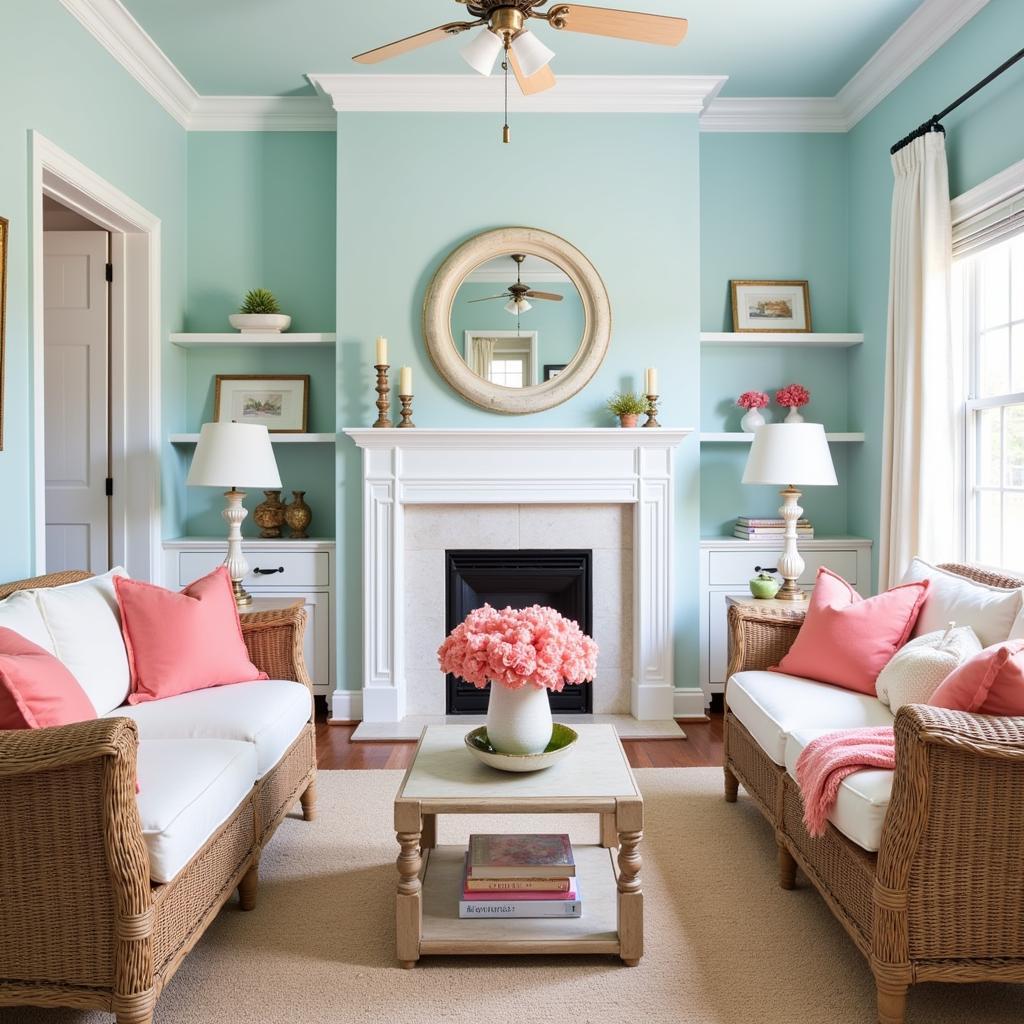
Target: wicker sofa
(931, 890)
(83, 922)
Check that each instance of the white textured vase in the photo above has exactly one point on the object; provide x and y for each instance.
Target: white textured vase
(518, 721)
(752, 419)
(793, 416)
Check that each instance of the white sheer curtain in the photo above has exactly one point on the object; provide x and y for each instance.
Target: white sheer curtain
(481, 355)
(921, 436)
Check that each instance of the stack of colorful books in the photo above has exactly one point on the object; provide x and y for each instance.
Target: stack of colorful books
(769, 528)
(520, 876)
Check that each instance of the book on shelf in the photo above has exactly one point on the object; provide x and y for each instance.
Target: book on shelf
(768, 521)
(520, 856)
(546, 885)
(805, 533)
(519, 903)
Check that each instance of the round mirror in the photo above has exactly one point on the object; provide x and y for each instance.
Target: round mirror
(517, 320)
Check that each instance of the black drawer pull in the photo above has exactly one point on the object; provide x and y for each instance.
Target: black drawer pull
(268, 572)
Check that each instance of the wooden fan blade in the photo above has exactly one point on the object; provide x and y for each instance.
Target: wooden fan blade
(550, 296)
(537, 82)
(605, 21)
(489, 298)
(400, 46)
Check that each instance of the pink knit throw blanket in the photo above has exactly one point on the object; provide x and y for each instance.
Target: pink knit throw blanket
(827, 760)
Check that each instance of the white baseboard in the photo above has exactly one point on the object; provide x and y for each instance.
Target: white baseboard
(347, 705)
(687, 703)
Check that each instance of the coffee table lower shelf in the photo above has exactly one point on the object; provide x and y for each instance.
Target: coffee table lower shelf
(442, 931)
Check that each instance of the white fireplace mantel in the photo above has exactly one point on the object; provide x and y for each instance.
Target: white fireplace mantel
(506, 466)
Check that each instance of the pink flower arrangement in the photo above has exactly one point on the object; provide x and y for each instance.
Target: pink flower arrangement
(752, 400)
(518, 647)
(793, 396)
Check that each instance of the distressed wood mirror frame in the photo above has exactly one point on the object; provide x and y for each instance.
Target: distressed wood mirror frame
(441, 347)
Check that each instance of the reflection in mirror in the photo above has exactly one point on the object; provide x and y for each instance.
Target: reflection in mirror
(517, 320)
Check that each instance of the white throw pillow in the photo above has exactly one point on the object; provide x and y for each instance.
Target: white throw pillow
(915, 671)
(20, 612)
(85, 626)
(989, 611)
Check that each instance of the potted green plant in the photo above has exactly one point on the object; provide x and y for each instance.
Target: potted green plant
(260, 313)
(764, 585)
(627, 405)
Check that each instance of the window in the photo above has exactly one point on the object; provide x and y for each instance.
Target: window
(989, 304)
(508, 370)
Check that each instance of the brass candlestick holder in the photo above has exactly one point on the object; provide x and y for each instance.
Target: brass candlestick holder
(383, 401)
(652, 411)
(406, 401)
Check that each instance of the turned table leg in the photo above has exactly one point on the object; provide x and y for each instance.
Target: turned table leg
(629, 821)
(409, 828)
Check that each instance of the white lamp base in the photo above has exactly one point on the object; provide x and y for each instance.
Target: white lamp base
(238, 568)
(791, 565)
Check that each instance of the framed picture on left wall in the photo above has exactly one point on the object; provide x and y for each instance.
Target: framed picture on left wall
(4, 226)
(281, 404)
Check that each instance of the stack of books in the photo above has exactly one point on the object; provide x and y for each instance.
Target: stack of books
(520, 876)
(768, 528)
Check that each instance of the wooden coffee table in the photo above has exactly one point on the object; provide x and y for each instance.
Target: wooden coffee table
(445, 778)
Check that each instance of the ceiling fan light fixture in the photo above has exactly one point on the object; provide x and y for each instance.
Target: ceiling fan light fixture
(517, 306)
(531, 53)
(482, 51)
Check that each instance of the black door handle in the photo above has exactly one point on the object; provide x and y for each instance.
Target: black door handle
(268, 572)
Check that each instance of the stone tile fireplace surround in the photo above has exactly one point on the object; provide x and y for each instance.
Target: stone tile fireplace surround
(427, 491)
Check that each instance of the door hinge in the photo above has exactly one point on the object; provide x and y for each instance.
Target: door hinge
(110, 487)
(110, 271)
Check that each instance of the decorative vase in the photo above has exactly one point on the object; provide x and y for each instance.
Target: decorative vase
(752, 419)
(260, 323)
(793, 416)
(269, 514)
(764, 590)
(628, 419)
(298, 515)
(518, 721)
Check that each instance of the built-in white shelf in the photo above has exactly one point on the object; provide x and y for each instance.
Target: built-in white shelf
(735, 437)
(236, 340)
(748, 338)
(274, 438)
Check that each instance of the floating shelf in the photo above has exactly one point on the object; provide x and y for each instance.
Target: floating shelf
(236, 340)
(781, 338)
(735, 437)
(274, 438)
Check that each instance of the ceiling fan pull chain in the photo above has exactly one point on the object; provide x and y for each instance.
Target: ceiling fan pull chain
(506, 132)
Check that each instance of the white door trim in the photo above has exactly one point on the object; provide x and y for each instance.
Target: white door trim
(135, 313)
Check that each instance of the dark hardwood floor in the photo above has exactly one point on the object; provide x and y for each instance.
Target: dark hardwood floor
(701, 748)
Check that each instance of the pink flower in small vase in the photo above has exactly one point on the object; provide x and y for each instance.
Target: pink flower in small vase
(753, 400)
(793, 397)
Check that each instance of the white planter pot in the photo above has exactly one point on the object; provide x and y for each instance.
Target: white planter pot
(752, 419)
(793, 416)
(518, 721)
(260, 323)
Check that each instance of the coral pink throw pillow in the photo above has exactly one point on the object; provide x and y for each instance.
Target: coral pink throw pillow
(991, 682)
(847, 639)
(182, 642)
(37, 690)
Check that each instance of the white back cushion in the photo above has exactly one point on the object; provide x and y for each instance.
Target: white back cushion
(989, 611)
(85, 628)
(915, 671)
(20, 612)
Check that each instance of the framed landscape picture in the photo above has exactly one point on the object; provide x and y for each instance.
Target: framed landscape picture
(3, 317)
(762, 306)
(281, 404)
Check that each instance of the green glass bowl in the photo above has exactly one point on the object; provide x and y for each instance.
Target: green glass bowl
(562, 741)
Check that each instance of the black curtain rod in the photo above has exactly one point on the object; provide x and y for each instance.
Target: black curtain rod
(933, 125)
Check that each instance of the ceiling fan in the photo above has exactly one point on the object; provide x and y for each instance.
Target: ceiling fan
(517, 293)
(504, 30)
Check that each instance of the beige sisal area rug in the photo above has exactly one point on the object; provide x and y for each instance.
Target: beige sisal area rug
(724, 944)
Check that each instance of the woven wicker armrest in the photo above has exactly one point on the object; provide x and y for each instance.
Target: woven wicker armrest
(24, 751)
(275, 640)
(759, 638)
(982, 735)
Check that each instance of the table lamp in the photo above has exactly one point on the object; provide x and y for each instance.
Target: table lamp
(790, 454)
(234, 455)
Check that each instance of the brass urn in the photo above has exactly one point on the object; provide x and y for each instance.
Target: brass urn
(298, 515)
(269, 514)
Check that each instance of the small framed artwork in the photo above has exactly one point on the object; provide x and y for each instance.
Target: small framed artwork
(281, 404)
(761, 306)
(552, 370)
(3, 317)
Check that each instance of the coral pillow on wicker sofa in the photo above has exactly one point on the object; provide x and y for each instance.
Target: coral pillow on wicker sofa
(182, 642)
(846, 639)
(36, 690)
(991, 682)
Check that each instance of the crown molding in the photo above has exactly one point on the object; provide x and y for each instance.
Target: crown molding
(629, 94)
(774, 114)
(262, 114)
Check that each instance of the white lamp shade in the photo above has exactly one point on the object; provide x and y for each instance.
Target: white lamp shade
(515, 306)
(790, 453)
(482, 51)
(531, 53)
(234, 455)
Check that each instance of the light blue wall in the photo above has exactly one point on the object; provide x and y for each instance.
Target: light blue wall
(55, 78)
(632, 208)
(983, 137)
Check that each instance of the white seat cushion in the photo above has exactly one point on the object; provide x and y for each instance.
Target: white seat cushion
(20, 612)
(862, 800)
(771, 705)
(188, 789)
(268, 713)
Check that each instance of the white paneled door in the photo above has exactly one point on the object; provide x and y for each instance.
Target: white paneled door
(76, 396)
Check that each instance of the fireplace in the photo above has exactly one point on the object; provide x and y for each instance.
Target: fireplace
(562, 579)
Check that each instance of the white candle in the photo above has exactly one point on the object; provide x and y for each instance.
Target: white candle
(382, 351)
(652, 381)
(405, 380)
